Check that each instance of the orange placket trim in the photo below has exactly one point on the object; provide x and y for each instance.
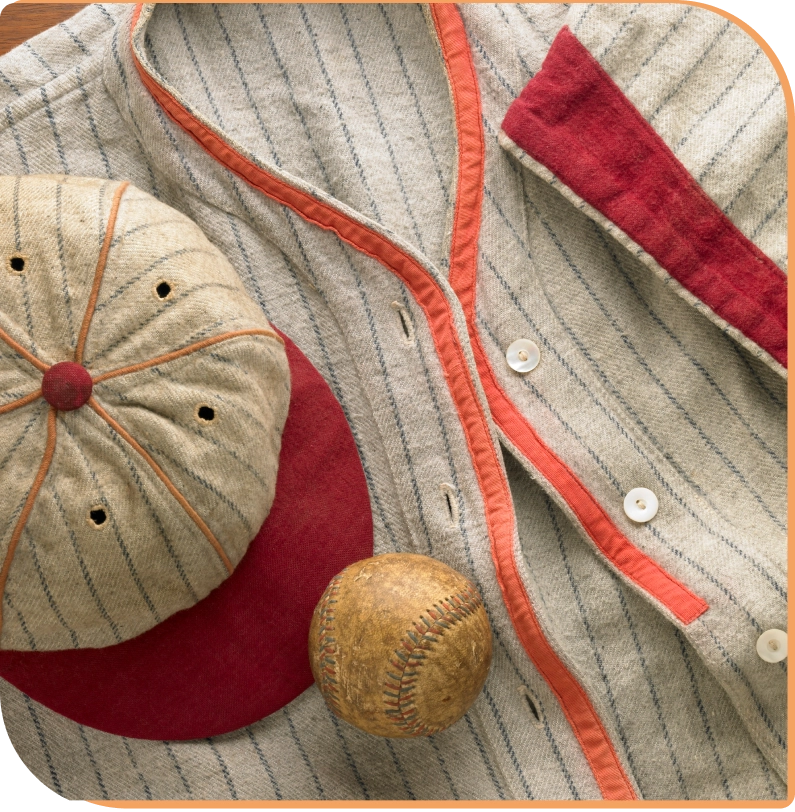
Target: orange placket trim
(585, 722)
(100, 270)
(200, 523)
(171, 356)
(49, 450)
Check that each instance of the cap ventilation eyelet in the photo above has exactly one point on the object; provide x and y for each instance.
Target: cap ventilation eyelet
(97, 517)
(16, 264)
(205, 413)
(163, 289)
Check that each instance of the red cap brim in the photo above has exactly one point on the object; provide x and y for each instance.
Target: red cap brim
(241, 653)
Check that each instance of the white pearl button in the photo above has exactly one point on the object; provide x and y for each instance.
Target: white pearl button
(772, 646)
(641, 505)
(523, 355)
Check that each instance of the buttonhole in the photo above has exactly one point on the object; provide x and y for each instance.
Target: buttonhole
(205, 413)
(16, 263)
(533, 706)
(451, 502)
(405, 323)
(97, 517)
(163, 289)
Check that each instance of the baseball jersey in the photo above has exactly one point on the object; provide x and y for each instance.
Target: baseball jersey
(417, 195)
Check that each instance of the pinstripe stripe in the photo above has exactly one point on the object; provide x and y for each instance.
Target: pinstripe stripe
(116, 531)
(779, 144)
(46, 589)
(10, 84)
(652, 690)
(736, 134)
(717, 101)
(340, 117)
(264, 762)
(485, 757)
(93, 762)
(29, 48)
(661, 44)
(702, 713)
(382, 129)
(766, 219)
(21, 618)
(492, 67)
(304, 757)
(400, 771)
(138, 134)
(681, 83)
(56, 784)
(83, 567)
(509, 747)
(17, 140)
(417, 108)
(757, 378)
(224, 769)
(622, 28)
(77, 41)
(348, 757)
(55, 134)
(38, 409)
(443, 767)
(531, 22)
(92, 123)
(147, 791)
(178, 768)
(67, 297)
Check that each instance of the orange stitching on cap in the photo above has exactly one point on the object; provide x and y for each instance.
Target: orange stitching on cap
(28, 356)
(49, 450)
(199, 345)
(166, 481)
(101, 262)
(17, 404)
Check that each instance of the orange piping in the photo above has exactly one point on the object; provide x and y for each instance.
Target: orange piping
(199, 345)
(17, 404)
(98, 273)
(40, 365)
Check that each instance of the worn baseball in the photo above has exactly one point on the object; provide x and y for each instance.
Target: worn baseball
(400, 645)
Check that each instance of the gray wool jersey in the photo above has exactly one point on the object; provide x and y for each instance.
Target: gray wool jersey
(637, 386)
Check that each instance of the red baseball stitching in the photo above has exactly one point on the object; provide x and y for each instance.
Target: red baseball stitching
(327, 645)
(412, 652)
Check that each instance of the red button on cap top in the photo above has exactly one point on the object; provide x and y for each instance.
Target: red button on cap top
(66, 386)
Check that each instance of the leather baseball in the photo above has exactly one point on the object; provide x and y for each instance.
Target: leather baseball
(400, 645)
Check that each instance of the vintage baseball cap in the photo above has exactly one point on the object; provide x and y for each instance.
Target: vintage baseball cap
(178, 482)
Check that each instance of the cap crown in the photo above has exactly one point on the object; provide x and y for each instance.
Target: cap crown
(136, 504)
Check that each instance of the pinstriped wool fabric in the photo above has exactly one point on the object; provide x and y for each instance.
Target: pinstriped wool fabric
(73, 583)
(635, 387)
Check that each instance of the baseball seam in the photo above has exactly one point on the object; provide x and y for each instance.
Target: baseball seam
(399, 688)
(327, 645)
